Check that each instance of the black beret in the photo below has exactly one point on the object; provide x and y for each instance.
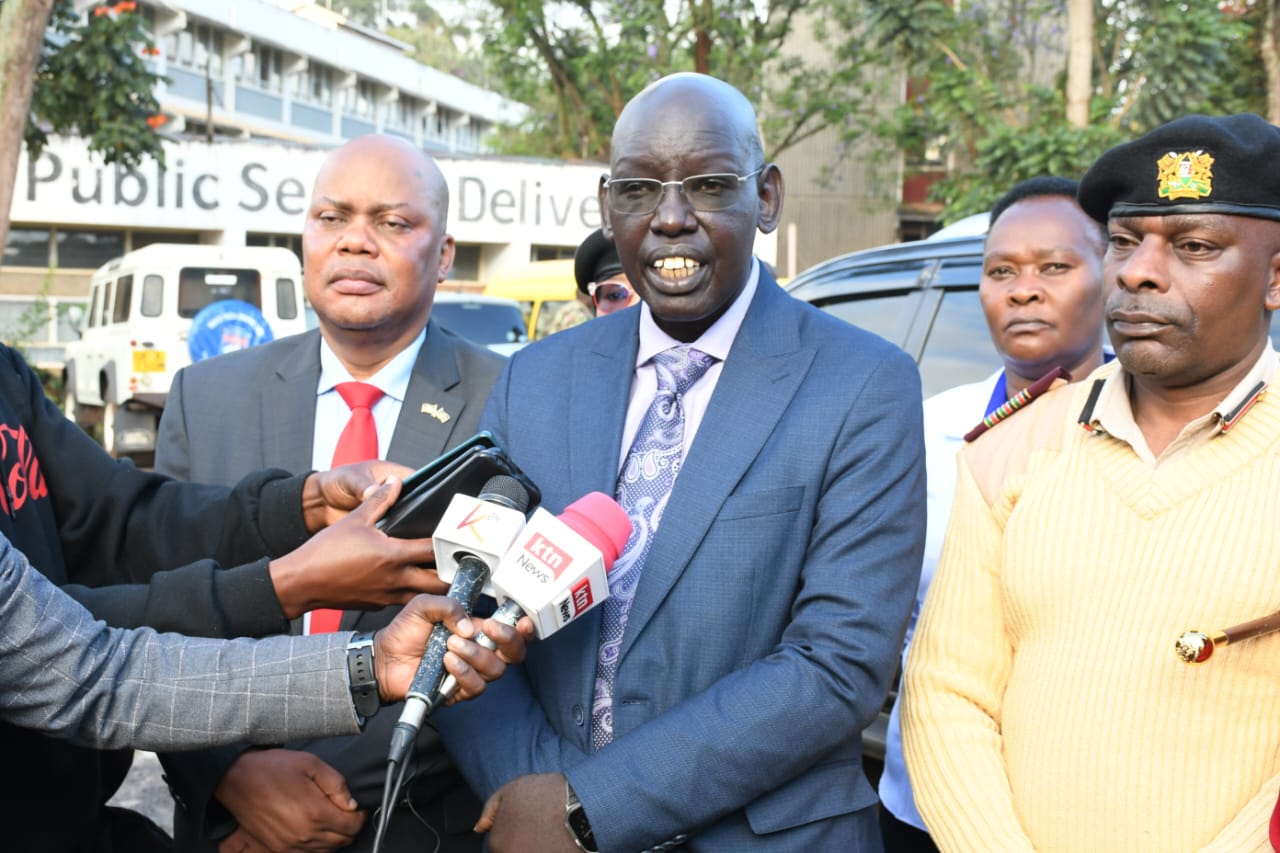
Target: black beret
(595, 260)
(1195, 164)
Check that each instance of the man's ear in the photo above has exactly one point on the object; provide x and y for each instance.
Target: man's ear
(447, 249)
(602, 193)
(771, 189)
(1272, 296)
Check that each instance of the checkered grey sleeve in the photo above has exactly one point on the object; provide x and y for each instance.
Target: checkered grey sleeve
(65, 673)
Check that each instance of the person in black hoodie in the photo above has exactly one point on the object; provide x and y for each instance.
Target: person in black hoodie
(106, 532)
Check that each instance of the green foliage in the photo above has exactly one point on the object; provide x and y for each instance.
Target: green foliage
(986, 77)
(990, 79)
(577, 62)
(93, 80)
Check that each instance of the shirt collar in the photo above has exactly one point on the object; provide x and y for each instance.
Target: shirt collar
(1109, 409)
(715, 341)
(392, 379)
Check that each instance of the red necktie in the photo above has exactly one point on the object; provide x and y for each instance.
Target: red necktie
(358, 443)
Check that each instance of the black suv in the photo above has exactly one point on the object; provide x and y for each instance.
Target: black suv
(922, 296)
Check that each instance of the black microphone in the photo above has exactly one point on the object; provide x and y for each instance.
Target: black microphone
(472, 535)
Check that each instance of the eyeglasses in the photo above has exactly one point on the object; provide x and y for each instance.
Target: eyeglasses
(609, 296)
(707, 193)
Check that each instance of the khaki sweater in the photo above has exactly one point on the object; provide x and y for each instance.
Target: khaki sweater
(1045, 707)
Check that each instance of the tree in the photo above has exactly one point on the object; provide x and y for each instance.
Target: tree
(991, 84)
(995, 97)
(60, 74)
(577, 63)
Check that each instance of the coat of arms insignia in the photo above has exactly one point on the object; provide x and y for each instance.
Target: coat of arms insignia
(1185, 175)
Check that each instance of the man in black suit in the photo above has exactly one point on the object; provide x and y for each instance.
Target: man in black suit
(375, 248)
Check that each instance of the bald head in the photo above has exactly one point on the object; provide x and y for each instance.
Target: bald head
(679, 92)
(408, 164)
(686, 245)
(374, 248)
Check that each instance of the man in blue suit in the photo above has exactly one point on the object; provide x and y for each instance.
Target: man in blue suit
(765, 624)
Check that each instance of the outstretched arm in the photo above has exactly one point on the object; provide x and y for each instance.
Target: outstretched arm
(72, 676)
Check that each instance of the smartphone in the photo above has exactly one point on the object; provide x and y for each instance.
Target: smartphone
(462, 471)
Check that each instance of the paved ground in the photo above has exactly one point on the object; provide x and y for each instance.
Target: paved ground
(144, 791)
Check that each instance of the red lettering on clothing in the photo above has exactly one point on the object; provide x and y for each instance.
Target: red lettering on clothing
(23, 480)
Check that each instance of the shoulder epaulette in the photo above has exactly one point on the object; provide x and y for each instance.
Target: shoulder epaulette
(1020, 400)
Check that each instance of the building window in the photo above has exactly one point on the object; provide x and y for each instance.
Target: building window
(314, 84)
(138, 239)
(260, 68)
(358, 100)
(198, 47)
(400, 112)
(466, 264)
(27, 247)
(292, 242)
(81, 249)
(551, 253)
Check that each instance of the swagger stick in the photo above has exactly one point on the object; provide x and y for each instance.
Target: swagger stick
(1197, 646)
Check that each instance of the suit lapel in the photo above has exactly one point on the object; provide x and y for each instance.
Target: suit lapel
(602, 370)
(433, 402)
(765, 367)
(601, 386)
(288, 405)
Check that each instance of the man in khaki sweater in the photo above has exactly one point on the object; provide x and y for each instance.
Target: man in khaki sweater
(1045, 706)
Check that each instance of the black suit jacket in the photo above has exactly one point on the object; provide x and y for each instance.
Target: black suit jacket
(256, 408)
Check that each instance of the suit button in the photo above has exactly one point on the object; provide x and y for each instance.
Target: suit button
(577, 714)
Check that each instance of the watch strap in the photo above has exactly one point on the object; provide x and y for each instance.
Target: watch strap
(362, 675)
(575, 819)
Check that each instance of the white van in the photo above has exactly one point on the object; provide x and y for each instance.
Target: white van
(153, 311)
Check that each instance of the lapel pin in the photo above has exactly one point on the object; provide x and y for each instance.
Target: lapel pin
(436, 412)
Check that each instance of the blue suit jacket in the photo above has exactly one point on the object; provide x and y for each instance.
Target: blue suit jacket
(767, 623)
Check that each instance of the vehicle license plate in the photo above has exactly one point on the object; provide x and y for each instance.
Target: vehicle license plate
(148, 361)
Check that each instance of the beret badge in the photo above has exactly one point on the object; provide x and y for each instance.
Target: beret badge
(1185, 175)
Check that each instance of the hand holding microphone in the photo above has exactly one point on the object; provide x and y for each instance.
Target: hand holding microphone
(472, 534)
(557, 570)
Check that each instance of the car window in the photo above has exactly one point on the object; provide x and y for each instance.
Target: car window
(93, 307)
(202, 286)
(482, 322)
(958, 349)
(286, 302)
(124, 295)
(152, 295)
(886, 314)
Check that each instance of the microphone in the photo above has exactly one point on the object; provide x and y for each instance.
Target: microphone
(472, 535)
(558, 571)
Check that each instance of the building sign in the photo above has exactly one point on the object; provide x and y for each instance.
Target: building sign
(264, 187)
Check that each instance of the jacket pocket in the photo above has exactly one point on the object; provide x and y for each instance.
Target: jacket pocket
(767, 502)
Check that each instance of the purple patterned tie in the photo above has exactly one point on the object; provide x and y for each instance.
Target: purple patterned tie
(643, 488)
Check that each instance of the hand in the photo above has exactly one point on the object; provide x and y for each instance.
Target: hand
(240, 841)
(353, 565)
(398, 647)
(327, 496)
(286, 800)
(528, 814)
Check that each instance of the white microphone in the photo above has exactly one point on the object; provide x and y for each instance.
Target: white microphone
(470, 538)
(557, 570)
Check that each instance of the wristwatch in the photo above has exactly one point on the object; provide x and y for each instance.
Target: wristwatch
(362, 676)
(575, 818)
